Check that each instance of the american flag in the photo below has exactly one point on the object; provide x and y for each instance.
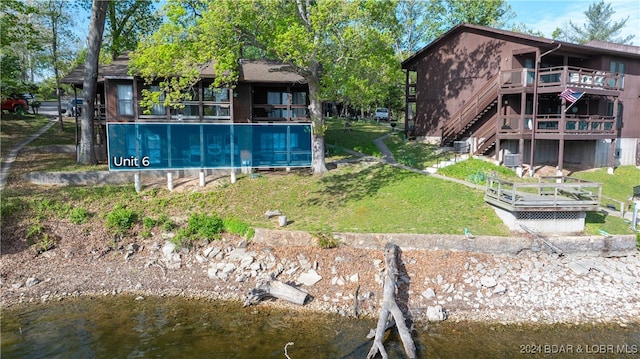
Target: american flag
(570, 95)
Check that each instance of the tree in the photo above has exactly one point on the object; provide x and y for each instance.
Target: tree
(57, 55)
(126, 22)
(18, 40)
(425, 20)
(337, 46)
(87, 155)
(599, 26)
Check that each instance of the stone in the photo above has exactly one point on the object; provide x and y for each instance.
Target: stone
(436, 314)
(31, 282)
(309, 278)
(429, 293)
(579, 268)
(499, 289)
(354, 278)
(272, 213)
(488, 282)
(228, 268)
(168, 249)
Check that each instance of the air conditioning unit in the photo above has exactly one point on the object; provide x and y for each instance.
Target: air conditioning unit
(512, 160)
(460, 147)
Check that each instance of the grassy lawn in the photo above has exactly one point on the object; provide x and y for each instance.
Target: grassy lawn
(363, 197)
(16, 128)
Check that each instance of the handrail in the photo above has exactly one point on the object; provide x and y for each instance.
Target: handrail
(484, 97)
(551, 192)
(571, 76)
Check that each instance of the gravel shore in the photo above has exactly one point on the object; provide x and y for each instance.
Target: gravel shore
(529, 287)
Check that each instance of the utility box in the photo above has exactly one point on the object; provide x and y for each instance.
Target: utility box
(512, 160)
(461, 147)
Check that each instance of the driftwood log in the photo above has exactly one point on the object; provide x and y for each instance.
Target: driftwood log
(390, 308)
(276, 289)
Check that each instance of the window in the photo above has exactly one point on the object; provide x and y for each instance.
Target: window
(617, 66)
(125, 100)
(158, 109)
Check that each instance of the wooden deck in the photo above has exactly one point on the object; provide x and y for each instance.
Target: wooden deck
(550, 194)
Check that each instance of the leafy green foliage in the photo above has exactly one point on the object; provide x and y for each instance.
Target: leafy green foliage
(79, 215)
(9, 207)
(202, 226)
(477, 177)
(599, 26)
(148, 222)
(326, 240)
(236, 226)
(120, 220)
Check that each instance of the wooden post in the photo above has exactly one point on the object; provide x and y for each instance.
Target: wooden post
(390, 307)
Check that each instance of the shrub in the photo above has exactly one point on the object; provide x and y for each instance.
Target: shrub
(79, 216)
(477, 177)
(236, 226)
(326, 240)
(120, 220)
(200, 226)
(148, 223)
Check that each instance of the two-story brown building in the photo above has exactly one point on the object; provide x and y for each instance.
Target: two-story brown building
(499, 92)
(266, 92)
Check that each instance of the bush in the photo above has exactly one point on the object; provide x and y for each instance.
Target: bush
(200, 226)
(326, 240)
(236, 226)
(120, 220)
(148, 223)
(79, 216)
(477, 177)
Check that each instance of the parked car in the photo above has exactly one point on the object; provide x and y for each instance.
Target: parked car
(74, 107)
(381, 114)
(15, 103)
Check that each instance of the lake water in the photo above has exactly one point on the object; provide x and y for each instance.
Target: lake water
(122, 327)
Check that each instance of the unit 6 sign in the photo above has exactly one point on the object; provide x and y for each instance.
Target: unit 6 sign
(131, 162)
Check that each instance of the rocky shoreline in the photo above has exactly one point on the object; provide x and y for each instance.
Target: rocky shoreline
(530, 287)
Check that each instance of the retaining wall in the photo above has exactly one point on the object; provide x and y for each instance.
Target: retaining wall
(615, 245)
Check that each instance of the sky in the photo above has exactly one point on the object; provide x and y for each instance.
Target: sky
(547, 15)
(541, 15)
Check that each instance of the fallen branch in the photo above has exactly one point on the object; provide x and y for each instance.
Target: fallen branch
(275, 289)
(391, 308)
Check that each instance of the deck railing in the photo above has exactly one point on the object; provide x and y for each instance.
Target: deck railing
(551, 193)
(571, 76)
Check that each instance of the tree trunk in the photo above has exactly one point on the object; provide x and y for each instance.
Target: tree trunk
(318, 124)
(390, 307)
(87, 154)
(278, 290)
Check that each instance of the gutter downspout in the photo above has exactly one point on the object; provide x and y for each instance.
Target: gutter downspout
(535, 104)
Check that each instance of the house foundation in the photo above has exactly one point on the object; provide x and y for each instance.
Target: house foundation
(548, 223)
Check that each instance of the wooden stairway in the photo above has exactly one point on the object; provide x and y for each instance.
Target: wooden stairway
(483, 101)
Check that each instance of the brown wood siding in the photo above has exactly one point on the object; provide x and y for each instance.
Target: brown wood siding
(242, 103)
(451, 74)
(630, 98)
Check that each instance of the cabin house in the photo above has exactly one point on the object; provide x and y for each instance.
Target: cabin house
(265, 93)
(526, 101)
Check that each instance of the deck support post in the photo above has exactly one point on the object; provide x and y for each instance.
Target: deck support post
(170, 181)
(137, 182)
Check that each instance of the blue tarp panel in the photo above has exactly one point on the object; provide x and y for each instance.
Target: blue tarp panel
(168, 146)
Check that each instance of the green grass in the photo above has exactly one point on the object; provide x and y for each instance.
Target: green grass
(468, 169)
(618, 185)
(359, 138)
(367, 197)
(415, 154)
(16, 128)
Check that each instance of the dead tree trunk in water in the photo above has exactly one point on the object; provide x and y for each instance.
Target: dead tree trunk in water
(390, 307)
